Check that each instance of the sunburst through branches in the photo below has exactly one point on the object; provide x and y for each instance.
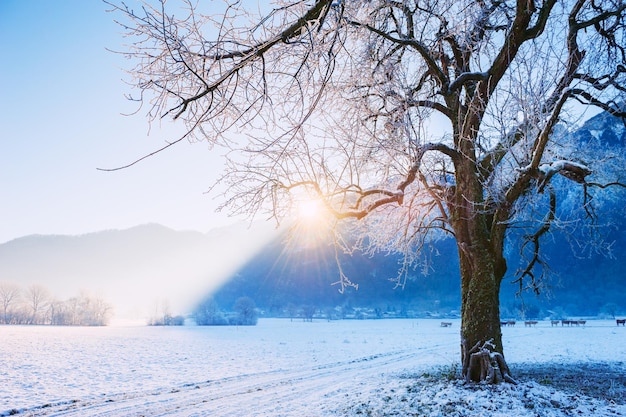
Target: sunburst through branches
(312, 223)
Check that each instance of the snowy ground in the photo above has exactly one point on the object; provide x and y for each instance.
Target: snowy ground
(284, 368)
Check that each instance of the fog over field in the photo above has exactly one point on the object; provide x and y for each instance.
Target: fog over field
(133, 269)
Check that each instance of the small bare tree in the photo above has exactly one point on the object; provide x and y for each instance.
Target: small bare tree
(38, 298)
(9, 297)
(408, 120)
(57, 313)
(72, 306)
(92, 310)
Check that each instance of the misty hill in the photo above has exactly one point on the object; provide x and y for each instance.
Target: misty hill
(134, 268)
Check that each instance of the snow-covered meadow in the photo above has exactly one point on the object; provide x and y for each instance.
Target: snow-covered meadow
(292, 368)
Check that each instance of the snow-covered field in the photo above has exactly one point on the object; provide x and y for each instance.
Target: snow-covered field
(293, 368)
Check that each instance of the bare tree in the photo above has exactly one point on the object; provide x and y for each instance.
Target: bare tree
(56, 313)
(38, 299)
(9, 296)
(91, 310)
(102, 311)
(72, 306)
(409, 120)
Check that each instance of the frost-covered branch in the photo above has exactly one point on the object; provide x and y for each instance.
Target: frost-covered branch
(466, 77)
(574, 171)
(534, 241)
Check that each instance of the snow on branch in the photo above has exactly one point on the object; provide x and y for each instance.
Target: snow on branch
(466, 77)
(569, 169)
(574, 171)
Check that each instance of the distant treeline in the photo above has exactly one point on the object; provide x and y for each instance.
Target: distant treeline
(35, 305)
(207, 313)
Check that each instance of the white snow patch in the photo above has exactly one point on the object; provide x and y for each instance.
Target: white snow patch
(285, 368)
(596, 133)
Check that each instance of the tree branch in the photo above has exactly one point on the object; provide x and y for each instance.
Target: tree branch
(534, 241)
(466, 77)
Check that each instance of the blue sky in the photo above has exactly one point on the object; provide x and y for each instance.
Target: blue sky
(61, 117)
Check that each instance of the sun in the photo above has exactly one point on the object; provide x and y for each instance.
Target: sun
(312, 223)
(309, 210)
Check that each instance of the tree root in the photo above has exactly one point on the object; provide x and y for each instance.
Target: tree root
(486, 366)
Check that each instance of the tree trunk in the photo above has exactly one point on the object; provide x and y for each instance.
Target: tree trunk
(481, 337)
(479, 243)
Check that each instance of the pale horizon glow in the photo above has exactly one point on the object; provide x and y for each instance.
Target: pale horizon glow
(138, 286)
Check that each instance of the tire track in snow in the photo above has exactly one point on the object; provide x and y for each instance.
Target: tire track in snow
(279, 392)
